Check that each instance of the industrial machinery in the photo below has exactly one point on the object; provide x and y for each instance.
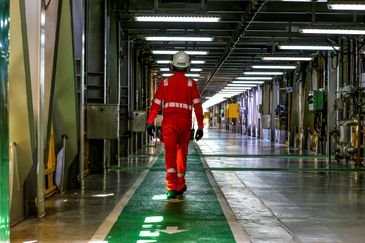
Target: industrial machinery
(349, 133)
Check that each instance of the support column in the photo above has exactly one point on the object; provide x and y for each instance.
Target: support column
(4, 126)
(333, 86)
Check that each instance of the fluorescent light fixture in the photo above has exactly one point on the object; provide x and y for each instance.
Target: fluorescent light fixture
(228, 88)
(241, 85)
(332, 31)
(163, 61)
(309, 47)
(172, 52)
(196, 69)
(274, 66)
(197, 62)
(263, 73)
(254, 78)
(194, 75)
(164, 69)
(168, 62)
(186, 74)
(247, 82)
(177, 38)
(181, 19)
(346, 6)
(283, 58)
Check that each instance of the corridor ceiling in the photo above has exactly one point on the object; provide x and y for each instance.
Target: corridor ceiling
(248, 30)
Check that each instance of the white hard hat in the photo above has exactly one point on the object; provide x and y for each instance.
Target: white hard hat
(181, 60)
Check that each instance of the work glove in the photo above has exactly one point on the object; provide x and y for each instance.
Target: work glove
(199, 134)
(151, 130)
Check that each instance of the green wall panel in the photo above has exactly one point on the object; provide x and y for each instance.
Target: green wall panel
(65, 103)
(4, 126)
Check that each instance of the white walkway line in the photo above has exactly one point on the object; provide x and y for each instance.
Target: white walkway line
(238, 232)
(109, 221)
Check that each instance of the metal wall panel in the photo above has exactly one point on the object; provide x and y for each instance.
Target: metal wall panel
(102, 121)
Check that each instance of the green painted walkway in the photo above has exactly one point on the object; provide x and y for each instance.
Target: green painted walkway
(149, 217)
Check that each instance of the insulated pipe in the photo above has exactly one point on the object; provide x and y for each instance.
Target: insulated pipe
(233, 46)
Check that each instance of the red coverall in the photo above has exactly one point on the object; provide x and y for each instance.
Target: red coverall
(177, 95)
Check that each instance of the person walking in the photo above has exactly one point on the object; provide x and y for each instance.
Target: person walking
(176, 95)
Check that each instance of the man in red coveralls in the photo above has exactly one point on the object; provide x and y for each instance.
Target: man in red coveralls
(177, 95)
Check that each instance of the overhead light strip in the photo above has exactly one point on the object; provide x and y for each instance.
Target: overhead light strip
(286, 58)
(182, 19)
(344, 6)
(263, 73)
(254, 78)
(168, 62)
(177, 38)
(172, 52)
(247, 82)
(274, 66)
(332, 31)
(186, 74)
(309, 47)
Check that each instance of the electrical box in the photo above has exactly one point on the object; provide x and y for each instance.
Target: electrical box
(316, 100)
(102, 121)
(138, 121)
(233, 110)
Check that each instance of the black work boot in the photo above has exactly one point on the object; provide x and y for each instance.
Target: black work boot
(171, 194)
(181, 192)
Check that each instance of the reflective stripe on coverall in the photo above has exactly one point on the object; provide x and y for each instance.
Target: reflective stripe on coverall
(177, 95)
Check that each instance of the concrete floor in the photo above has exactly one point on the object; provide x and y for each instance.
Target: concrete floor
(278, 204)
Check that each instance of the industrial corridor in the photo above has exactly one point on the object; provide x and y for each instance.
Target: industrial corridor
(266, 192)
(182, 121)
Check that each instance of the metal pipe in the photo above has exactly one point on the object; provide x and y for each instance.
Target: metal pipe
(82, 99)
(105, 141)
(40, 113)
(119, 91)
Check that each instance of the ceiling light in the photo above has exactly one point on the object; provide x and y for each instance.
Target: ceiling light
(195, 69)
(306, 47)
(274, 66)
(229, 88)
(197, 62)
(164, 69)
(263, 73)
(172, 52)
(241, 85)
(332, 31)
(177, 38)
(346, 5)
(287, 58)
(168, 62)
(254, 78)
(247, 82)
(192, 75)
(182, 19)
(186, 74)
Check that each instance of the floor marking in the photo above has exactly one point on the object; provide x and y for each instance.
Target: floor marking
(238, 232)
(109, 221)
(172, 230)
